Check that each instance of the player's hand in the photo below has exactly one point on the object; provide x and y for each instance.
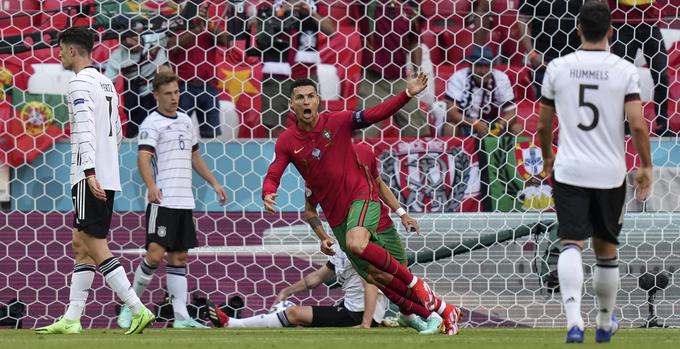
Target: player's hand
(326, 247)
(643, 183)
(548, 162)
(280, 297)
(270, 202)
(410, 224)
(481, 127)
(96, 188)
(415, 83)
(155, 195)
(362, 326)
(220, 193)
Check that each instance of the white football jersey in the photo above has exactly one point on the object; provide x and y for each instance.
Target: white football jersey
(353, 287)
(172, 140)
(95, 128)
(589, 90)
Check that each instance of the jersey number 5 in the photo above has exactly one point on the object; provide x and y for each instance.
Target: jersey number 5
(582, 103)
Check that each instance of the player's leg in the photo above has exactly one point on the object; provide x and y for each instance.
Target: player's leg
(572, 205)
(147, 267)
(362, 221)
(143, 276)
(181, 234)
(607, 223)
(114, 274)
(81, 282)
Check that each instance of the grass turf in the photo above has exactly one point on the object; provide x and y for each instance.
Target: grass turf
(384, 338)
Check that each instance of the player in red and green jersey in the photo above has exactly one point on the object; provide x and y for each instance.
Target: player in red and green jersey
(320, 147)
(388, 238)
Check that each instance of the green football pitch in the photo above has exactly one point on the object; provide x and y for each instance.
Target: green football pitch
(384, 338)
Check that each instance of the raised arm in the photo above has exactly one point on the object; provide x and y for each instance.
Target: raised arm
(386, 109)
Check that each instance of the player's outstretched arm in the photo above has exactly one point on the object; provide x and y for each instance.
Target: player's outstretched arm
(308, 282)
(199, 165)
(639, 132)
(386, 195)
(312, 217)
(414, 85)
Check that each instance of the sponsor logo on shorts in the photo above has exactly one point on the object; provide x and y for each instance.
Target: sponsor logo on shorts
(161, 231)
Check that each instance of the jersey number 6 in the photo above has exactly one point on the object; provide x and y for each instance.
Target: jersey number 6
(582, 103)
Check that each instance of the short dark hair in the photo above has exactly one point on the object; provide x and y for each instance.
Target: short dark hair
(79, 36)
(595, 19)
(163, 79)
(301, 82)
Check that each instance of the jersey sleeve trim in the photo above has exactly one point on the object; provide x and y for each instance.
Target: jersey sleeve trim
(195, 147)
(330, 265)
(90, 172)
(547, 101)
(632, 97)
(147, 148)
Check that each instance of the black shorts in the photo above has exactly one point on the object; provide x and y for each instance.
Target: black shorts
(91, 215)
(171, 228)
(336, 316)
(585, 212)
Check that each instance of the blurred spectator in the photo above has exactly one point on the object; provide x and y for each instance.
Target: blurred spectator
(391, 30)
(480, 99)
(635, 27)
(553, 29)
(287, 32)
(195, 56)
(138, 59)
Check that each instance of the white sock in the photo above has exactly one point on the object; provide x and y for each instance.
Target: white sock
(177, 287)
(115, 277)
(570, 271)
(259, 321)
(606, 285)
(143, 276)
(81, 282)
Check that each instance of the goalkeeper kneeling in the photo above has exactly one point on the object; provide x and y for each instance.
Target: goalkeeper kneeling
(363, 304)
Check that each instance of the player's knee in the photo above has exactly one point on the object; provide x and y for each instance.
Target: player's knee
(178, 258)
(356, 243)
(154, 257)
(293, 315)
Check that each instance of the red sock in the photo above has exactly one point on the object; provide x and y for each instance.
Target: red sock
(382, 260)
(406, 306)
(401, 289)
(439, 305)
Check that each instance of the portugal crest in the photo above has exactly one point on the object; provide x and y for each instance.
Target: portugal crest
(35, 116)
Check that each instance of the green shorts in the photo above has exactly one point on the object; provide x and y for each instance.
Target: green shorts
(365, 213)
